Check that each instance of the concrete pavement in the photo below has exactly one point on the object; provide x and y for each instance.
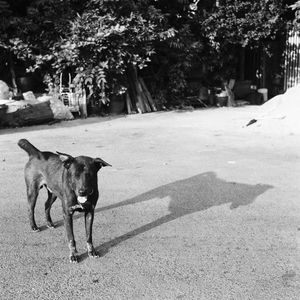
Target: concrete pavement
(196, 206)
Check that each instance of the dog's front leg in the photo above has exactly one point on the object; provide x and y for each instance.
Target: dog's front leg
(89, 218)
(68, 220)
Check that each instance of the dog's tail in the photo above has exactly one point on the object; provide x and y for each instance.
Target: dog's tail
(29, 148)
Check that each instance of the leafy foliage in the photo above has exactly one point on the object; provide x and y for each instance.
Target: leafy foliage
(244, 22)
(210, 36)
(102, 42)
(97, 40)
(32, 27)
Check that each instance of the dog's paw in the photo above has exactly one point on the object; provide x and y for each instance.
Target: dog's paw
(93, 253)
(50, 225)
(35, 229)
(73, 258)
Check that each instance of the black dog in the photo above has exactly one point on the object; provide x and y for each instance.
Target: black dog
(73, 180)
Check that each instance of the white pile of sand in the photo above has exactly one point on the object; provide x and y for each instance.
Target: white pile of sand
(280, 114)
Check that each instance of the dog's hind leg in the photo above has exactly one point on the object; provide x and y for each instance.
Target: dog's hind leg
(32, 194)
(51, 199)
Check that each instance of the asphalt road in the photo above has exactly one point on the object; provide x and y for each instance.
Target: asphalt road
(196, 206)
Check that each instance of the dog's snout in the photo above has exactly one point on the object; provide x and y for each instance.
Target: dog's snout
(82, 192)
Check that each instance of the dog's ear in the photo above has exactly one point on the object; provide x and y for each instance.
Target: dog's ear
(66, 159)
(101, 163)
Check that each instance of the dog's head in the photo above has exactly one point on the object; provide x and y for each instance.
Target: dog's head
(82, 174)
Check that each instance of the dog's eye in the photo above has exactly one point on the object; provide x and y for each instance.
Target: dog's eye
(77, 174)
(79, 170)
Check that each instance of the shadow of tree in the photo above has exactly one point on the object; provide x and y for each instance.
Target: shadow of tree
(187, 196)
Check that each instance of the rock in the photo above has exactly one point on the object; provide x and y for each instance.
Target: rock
(29, 96)
(4, 91)
(60, 111)
(30, 115)
(279, 114)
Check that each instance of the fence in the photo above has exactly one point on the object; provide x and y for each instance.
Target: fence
(292, 58)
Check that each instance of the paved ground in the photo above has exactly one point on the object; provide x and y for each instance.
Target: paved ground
(195, 207)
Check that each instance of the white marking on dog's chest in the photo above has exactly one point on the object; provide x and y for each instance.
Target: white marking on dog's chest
(82, 199)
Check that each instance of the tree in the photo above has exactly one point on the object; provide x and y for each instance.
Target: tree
(244, 22)
(29, 29)
(106, 39)
(238, 25)
(211, 34)
(104, 42)
(175, 57)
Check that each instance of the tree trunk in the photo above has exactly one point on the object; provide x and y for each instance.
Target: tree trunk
(148, 95)
(242, 64)
(31, 115)
(139, 95)
(13, 74)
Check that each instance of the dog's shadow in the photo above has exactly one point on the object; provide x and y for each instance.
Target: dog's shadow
(187, 196)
